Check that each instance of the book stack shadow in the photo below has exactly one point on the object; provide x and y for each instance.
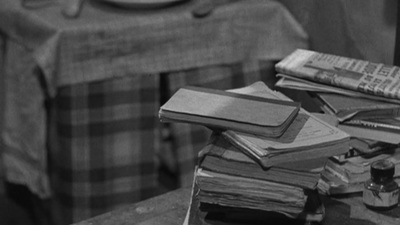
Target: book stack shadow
(263, 160)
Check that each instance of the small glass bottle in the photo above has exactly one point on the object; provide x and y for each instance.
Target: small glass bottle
(381, 192)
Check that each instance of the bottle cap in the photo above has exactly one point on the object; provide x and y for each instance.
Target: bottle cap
(382, 169)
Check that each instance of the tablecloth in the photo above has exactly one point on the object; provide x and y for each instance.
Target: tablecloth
(82, 96)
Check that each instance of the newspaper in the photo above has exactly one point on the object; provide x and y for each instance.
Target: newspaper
(301, 84)
(354, 74)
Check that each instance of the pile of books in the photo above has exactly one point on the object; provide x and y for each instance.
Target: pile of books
(255, 174)
(363, 97)
(347, 174)
(229, 183)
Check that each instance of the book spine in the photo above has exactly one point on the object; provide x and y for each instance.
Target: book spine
(251, 150)
(379, 112)
(336, 171)
(358, 75)
(375, 125)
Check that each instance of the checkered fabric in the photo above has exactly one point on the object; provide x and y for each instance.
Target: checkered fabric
(108, 137)
(104, 153)
(104, 44)
(82, 96)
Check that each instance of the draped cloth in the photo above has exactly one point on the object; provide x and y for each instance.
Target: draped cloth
(81, 121)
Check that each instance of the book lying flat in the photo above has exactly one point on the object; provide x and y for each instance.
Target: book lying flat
(314, 211)
(307, 137)
(364, 147)
(227, 110)
(358, 169)
(367, 131)
(206, 213)
(345, 108)
(227, 190)
(220, 156)
(330, 184)
(391, 124)
(349, 176)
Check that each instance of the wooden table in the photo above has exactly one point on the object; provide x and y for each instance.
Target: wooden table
(171, 209)
(166, 209)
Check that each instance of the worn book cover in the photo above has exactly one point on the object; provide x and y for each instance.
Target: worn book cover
(219, 192)
(345, 108)
(348, 176)
(220, 156)
(374, 131)
(235, 191)
(205, 213)
(230, 111)
(307, 137)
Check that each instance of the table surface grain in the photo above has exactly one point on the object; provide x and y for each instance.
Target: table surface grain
(171, 209)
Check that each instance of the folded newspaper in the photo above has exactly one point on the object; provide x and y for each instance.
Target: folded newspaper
(370, 78)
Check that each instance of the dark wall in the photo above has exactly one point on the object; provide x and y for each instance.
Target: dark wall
(363, 29)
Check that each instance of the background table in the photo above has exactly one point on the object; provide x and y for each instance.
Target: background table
(80, 126)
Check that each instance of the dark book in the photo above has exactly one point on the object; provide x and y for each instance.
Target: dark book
(226, 110)
(346, 108)
(307, 137)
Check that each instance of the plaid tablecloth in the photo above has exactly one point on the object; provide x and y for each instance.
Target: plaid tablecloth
(81, 122)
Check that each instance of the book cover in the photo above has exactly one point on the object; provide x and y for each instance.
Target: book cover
(390, 124)
(227, 110)
(345, 108)
(347, 73)
(220, 156)
(369, 132)
(349, 176)
(307, 137)
(314, 211)
(243, 192)
(205, 213)
(367, 147)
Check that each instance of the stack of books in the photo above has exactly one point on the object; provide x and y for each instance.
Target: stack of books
(255, 173)
(363, 97)
(363, 118)
(344, 176)
(231, 184)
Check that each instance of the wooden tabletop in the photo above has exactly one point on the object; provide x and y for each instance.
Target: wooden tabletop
(171, 209)
(166, 209)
